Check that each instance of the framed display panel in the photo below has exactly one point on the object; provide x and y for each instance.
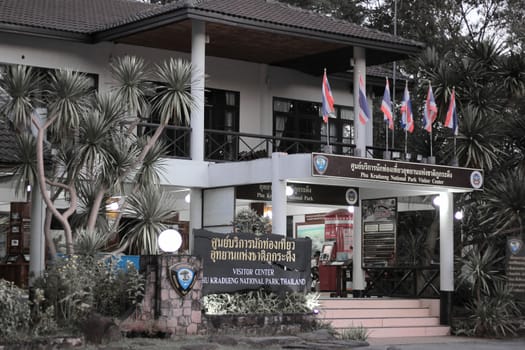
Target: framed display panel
(379, 232)
(312, 230)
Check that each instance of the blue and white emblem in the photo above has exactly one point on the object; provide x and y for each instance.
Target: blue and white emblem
(515, 246)
(182, 277)
(320, 164)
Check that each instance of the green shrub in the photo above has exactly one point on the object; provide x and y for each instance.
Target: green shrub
(259, 302)
(77, 285)
(14, 311)
(354, 333)
(495, 315)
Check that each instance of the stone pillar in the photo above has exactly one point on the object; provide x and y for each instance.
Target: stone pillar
(163, 309)
(446, 255)
(278, 196)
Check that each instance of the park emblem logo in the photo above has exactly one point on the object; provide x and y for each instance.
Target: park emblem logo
(182, 277)
(320, 164)
(515, 246)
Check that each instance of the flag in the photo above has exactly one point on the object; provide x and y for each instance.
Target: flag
(429, 111)
(452, 118)
(407, 120)
(328, 100)
(364, 110)
(386, 106)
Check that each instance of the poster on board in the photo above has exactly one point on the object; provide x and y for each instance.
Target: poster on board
(379, 232)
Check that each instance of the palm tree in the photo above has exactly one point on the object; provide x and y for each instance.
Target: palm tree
(93, 136)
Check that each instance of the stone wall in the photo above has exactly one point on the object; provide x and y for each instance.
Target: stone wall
(163, 311)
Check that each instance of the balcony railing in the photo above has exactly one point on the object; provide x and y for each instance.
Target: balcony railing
(231, 146)
(238, 146)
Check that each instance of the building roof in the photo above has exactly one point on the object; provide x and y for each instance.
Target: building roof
(263, 31)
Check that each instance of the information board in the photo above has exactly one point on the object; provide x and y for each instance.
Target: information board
(244, 261)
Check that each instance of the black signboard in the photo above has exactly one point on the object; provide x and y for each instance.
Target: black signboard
(303, 193)
(516, 267)
(244, 261)
(379, 232)
(395, 172)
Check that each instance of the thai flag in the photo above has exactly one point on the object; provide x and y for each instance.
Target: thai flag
(328, 100)
(452, 118)
(364, 110)
(386, 107)
(430, 110)
(407, 119)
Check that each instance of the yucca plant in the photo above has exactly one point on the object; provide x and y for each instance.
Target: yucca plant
(480, 270)
(97, 149)
(150, 210)
(496, 314)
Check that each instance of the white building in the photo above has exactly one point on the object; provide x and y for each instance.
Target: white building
(261, 63)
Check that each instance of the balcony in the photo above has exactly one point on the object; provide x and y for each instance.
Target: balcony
(230, 146)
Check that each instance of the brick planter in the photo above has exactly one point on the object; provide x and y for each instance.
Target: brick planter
(164, 312)
(261, 325)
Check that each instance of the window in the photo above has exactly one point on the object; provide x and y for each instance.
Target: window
(298, 127)
(221, 114)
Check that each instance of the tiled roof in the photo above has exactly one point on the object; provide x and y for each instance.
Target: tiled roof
(78, 16)
(274, 12)
(92, 16)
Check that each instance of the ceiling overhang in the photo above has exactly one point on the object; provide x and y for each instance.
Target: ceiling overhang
(239, 39)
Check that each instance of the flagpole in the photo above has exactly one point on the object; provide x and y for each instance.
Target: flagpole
(328, 132)
(386, 132)
(431, 140)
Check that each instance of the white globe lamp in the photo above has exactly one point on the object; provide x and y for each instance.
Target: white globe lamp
(169, 241)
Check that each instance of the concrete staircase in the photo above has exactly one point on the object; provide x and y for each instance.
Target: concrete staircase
(384, 317)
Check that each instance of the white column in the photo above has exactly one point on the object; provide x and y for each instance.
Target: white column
(198, 59)
(198, 55)
(446, 255)
(360, 129)
(278, 195)
(195, 213)
(37, 245)
(358, 275)
(446, 241)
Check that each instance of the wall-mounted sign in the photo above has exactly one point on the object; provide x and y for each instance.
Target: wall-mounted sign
(303, 193)
(379, 232)
(182, 277)
(243, 261)
(516, 267)
(397, 172)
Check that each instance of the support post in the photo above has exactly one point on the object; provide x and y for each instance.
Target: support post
(360, 129)
(358, 274)
(37, 243)
(278, 196)
(446, 255)
(198, 60)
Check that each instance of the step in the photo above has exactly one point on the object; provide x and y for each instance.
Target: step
(341, 323)
(397, 332)
(384, 317)
(373, 313)
(369, 303)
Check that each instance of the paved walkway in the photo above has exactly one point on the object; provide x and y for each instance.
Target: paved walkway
(444, 343)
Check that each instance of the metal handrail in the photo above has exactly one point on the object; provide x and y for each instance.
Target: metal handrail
(221, 145)
(403, 281)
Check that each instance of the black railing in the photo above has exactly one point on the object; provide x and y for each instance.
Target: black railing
(176, 138)
(234, 146)
(403, 281)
